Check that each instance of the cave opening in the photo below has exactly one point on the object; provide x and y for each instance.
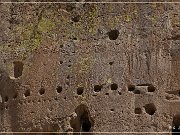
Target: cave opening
(18, 68)
(80, 90)
(59, 89)
(113, 34)
(151, 88)
(150, 108)
(27, 93)
(83, 122)
(176, 124)
(131, 87)
(114, 86)
(97, 88)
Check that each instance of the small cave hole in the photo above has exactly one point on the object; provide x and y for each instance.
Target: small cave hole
(179, 93)
(39, 101)
(27, 93)
(86, 126)
(113, 34)
(59, 89)
(18, 68)
(176, 124)
(83, 121)
(151, 88)
(41, 91)
(6, 98)
(61, 46)
(120, 93)
(150, 108)
(4, 61)
(69, 65)
(97, 88)
(68, 77)
(74, 38)
(15, 95)
(112, 110)
(168, 97)
(61, 62)
(111, 63)
(137, 91)
(80, 90)
(138, 111)
(76, 18)
(114, 86)
(131, 87)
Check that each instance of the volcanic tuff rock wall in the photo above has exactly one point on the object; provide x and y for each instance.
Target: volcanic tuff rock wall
(90, 67)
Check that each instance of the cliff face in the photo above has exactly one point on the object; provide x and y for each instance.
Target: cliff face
(98, 67)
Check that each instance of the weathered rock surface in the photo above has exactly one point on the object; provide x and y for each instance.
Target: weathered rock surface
(102, 67)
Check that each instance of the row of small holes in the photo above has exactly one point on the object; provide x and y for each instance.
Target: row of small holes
(42, 91)
(97, 88)
(80, 90)
(27, 93)
(149, 108)
(150, 88)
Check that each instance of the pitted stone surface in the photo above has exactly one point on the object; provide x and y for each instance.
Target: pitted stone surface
(90, 67)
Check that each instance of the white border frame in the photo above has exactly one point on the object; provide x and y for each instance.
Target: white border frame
(176, 2)
(94, 132)
(90, 2)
